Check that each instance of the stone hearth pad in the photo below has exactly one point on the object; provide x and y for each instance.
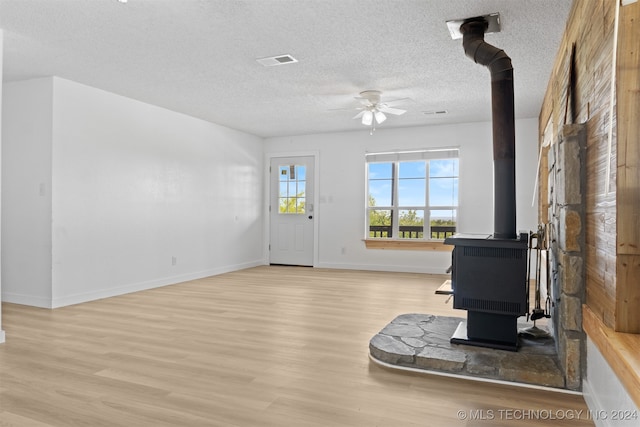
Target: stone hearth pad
(421, 341)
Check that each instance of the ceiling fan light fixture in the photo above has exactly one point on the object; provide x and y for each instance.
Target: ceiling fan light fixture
(373, 112)
(367, 118)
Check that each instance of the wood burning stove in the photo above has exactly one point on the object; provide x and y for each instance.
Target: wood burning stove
(489, 272)
(488, 279)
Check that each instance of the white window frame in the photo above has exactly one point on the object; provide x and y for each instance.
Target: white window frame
(396, 157)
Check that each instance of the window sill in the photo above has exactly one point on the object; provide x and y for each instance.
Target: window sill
(410, 245)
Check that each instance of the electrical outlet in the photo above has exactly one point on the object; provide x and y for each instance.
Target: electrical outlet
(174, 260)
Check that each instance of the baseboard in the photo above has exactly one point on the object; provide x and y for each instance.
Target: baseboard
(121, 290)
(591, 399)
(31, 300)
(1, 336)
(151, 284)
(380, 267)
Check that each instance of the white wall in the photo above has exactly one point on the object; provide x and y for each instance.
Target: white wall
(134, 188)
(605, 395)
(1, 56)
(526, 174)
(342, 188)
(106, 192)
(26, 191)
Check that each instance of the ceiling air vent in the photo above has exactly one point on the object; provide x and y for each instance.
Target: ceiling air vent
(434, 113)
(277, 60)
(492, 20)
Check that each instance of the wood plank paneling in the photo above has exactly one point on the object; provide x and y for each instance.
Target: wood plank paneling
(612, 201)
(627, 294)
(590, 28)
(600, 213)
(628, 171)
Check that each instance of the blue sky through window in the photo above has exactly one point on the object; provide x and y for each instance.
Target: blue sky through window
(443, 186)
(380, 183)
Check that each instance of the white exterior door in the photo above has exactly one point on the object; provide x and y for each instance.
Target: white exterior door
(291, 211)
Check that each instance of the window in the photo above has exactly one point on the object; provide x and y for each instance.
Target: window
(406, 190)
(292, 181)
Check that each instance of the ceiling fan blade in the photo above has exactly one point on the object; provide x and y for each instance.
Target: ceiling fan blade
(380, 117)
(367, 118)
(389, 110)
(360, 114)
(396, 101)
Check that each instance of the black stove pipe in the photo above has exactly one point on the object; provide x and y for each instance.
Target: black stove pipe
(502, 107)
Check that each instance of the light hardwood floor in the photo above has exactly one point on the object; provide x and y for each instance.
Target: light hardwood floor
(267, 346)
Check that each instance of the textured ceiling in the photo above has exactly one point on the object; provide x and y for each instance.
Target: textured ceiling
(198, 57)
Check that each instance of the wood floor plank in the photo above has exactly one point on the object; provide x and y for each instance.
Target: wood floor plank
(266, 346)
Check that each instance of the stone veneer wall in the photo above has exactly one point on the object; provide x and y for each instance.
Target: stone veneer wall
(567, 228)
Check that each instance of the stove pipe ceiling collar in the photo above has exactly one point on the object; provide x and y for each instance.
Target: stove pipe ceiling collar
(502, 112)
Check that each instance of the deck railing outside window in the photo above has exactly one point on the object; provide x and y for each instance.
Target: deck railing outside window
(412, 231)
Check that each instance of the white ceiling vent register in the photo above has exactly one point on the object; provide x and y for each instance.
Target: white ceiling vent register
(435, 112)
(277, 60)
(493, 25)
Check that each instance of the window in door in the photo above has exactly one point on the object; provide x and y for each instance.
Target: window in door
(292, 182)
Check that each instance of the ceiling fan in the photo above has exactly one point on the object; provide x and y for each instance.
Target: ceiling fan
(373, 110)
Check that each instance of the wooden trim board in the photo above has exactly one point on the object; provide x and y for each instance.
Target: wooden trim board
(445, 288)
(411, 245)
